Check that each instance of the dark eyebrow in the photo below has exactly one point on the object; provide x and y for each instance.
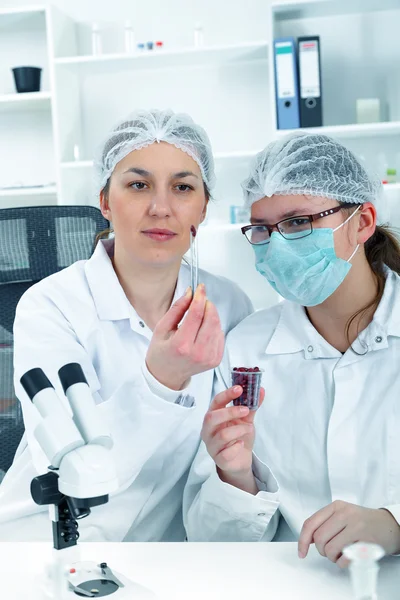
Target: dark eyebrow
(296, 213)
(182, 174)
(256, 221)
(142, 172)
(291, 213)
(145, 173)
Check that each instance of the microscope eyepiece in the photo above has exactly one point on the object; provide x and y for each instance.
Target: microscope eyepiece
(70, 374)
(34, 381)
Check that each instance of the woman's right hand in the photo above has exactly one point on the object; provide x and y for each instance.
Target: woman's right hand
(228, 433)
(177, 353)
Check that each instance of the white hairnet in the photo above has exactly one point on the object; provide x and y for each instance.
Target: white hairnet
(144, 127)
(310, 164)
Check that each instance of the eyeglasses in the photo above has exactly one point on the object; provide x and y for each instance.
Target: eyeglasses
(293, 228)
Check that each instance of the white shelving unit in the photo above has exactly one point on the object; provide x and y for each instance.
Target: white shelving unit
(180, 57)
(355, 63)
(228, 88)
(68, 109)
(49, 190)
(363, 130)
(27, 144)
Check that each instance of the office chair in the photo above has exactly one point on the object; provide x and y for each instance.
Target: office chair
(35, 242)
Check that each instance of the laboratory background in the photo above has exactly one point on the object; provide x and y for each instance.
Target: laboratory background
(94, 62)
(248, 71)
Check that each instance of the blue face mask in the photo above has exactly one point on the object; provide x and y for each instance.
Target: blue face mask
(306, 270)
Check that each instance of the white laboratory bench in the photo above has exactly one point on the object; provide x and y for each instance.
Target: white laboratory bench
(195, 571)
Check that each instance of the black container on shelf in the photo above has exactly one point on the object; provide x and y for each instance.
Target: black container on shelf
(27, 79)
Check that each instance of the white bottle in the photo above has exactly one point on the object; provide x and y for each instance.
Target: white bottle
(129, 38)
(198, 35)
(96, 39)
(364, 569)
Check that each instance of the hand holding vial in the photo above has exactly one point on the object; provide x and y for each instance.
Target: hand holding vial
(180, 350)
(228, 432)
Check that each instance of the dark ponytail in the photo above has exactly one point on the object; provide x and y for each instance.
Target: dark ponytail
(382, 249)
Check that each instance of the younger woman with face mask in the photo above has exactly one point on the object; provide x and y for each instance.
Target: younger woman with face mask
(327, 450)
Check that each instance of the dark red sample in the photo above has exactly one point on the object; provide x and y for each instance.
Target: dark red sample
(193, 231)
(249, 380)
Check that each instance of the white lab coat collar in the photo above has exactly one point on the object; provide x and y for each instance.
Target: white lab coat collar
(295, 333)
(108, 295)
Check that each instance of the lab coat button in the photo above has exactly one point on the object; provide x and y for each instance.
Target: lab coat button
(310, 348)
(141, 323)
(378, 339)
(261, 515)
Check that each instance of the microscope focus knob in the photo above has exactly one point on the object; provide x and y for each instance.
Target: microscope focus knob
(44, 489)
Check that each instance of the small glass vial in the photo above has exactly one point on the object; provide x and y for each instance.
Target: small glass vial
(130, 46)
(96, 40)
(159, 45)
(198, 36)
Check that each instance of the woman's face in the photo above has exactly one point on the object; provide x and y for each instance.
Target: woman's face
(155, 195)
(356, 231)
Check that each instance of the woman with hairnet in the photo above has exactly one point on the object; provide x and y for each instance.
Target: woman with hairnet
(117, 315)
(326, 438)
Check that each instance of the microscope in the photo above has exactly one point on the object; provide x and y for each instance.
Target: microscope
(81, 476)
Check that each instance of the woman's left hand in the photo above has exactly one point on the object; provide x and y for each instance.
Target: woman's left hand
(341, 523)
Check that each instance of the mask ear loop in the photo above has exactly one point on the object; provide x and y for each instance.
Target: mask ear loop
(348, 218)
(357, 247)
(344, 223)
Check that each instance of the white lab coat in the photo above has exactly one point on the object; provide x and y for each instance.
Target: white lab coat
(82, 315)
(329, 427)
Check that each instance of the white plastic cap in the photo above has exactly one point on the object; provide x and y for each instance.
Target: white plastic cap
(364, 568)
(363, 553)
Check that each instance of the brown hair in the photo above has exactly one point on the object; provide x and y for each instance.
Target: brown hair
(106, 191)
(382, 248)
(106, 232)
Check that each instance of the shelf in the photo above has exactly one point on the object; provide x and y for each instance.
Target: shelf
(349, 131)
(207, 55)
(77, 164)
(218, 156)
(49, 190)
(391, 187)
(29, 101)
(327, 8)
(237, 155)
(22, 17)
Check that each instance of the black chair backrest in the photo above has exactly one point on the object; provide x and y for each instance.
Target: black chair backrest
(34, 242)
